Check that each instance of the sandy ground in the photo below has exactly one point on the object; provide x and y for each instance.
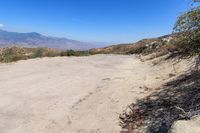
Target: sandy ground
(71, 95)
(187, 126)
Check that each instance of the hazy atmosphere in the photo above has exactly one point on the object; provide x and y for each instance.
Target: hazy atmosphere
(118, 21)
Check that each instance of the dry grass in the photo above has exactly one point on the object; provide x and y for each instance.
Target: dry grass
(10, 54)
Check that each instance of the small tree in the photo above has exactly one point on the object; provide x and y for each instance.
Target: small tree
(188, 26)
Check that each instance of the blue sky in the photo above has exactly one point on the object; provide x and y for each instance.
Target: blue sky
(93, 20)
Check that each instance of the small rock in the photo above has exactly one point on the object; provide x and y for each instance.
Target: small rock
(172, 75)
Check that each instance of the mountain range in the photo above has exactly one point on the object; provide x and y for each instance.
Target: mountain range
(34, 39)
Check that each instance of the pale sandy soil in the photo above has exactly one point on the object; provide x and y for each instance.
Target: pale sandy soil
(77, 94)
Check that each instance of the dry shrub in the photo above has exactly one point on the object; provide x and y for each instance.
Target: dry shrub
(45, 52)
(11, 54)
(51, 52)
(137, 49)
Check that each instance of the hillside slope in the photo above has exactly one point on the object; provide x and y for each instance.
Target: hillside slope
(142, 46)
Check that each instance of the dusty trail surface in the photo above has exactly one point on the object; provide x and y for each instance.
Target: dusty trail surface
(71, 95)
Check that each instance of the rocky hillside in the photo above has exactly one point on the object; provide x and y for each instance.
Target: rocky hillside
(143, 46)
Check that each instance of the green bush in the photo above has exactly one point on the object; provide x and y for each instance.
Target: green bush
(188, 26)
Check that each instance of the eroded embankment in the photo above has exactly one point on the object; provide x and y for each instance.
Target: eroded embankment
(177, 98)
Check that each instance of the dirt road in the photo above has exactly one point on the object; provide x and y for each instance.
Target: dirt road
(71, 95)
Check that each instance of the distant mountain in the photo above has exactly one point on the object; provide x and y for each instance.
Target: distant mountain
(34, 39)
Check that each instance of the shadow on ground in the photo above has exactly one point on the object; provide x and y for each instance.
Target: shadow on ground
(176, 100)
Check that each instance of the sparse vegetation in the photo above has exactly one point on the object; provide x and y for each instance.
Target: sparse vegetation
(45, 52)
(11, 54)
(38, 52)
(178, 99)
(160, 46)
(75, 53)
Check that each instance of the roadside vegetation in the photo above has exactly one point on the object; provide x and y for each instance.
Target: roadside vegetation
(178, 99)
(184, 41)
(11, 54)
